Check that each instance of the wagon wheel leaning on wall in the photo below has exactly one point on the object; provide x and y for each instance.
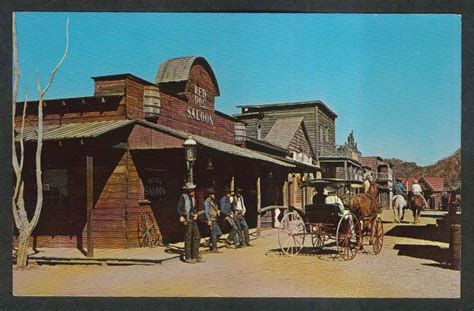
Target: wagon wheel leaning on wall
(149, 234)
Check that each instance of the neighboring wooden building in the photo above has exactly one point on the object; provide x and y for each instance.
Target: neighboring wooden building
(434, 186)
(319, 122)
(344, 163)
(120, 153)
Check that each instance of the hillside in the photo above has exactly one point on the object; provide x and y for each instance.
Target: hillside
(449, 168)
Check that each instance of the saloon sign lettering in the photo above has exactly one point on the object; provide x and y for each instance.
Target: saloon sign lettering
(155, 188)
(199, 98)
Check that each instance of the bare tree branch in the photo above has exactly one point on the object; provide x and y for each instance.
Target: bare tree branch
(53, 73)
(16, 82)
(39, 183)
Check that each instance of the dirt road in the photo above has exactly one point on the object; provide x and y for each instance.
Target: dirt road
(407, 267)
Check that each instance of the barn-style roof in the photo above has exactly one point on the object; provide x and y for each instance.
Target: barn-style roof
(283, 131)
(178, 70)
(435, 183)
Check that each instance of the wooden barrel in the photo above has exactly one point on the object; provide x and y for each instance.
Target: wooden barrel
(455, 246)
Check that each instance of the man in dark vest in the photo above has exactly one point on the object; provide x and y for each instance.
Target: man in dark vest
(188, 216)
(227, 211)
(212, 213)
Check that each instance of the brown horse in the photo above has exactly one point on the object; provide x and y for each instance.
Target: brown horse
(417, 204)
(364, 206)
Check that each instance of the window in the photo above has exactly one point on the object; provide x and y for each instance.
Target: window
(321, 134)
(55, 190)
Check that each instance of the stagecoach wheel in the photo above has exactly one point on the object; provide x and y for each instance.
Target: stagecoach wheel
(291, 234)
(348, 236)
(377, 234)
(147, 233)
(317, 237)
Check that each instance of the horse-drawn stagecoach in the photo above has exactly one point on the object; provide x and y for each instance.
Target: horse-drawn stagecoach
(344, 215)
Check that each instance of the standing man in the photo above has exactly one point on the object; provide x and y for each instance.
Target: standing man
(239, 208)
(211, 211)
(188, 216)
(416, 190)
(226, 209)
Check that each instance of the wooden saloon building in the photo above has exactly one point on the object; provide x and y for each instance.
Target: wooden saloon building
(113, 157)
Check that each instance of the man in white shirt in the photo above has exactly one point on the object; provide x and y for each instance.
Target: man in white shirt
(416, 190)
(240, 210)
(332, 198)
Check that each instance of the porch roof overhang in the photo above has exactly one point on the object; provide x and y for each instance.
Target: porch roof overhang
(86, 130)
(218, 145)
(341, 160)
(69, 131)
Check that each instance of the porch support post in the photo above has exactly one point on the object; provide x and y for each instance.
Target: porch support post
(345, 170)
(259, 206)
(90, 203)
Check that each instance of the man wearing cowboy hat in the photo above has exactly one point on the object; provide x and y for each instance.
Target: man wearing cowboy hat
(399, 188)
(240, 210)
(188, 216)
(212, 212)
(416, 190)
(227, 211)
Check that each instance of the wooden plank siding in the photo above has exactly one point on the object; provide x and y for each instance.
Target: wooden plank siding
(313, 119)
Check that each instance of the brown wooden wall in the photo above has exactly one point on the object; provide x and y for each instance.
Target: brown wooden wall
(313, 118)
(174, 108)
(326, 147)
(300, 143)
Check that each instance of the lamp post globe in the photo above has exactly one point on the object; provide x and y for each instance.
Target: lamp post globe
(190, 154)
(190, 149)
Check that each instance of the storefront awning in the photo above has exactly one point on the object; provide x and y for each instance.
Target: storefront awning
(73, 130)
(218, 145)
(95, 129)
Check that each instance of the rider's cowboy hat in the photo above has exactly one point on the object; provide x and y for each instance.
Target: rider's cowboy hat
(210, 191)
(227, 190)
(189, 186)
(328, 190)
(398, 179)
(238, 190)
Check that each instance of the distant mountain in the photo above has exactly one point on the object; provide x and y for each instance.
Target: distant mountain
(449, 168)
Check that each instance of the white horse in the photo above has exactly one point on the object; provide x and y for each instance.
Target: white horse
(399, 205)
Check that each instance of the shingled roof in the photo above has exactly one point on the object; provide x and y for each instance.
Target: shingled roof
(435, 183)
(283, 131)
(178, 70)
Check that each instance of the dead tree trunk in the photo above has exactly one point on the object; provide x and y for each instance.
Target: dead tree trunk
(23, 224)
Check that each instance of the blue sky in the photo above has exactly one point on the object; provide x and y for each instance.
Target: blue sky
(393, 79)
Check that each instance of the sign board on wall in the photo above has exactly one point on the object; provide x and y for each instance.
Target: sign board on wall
(155, 185)
(198, 104)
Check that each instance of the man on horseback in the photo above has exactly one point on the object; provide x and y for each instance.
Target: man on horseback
(399, 189)
(417, 191)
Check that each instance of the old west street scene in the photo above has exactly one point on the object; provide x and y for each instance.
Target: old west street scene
(230, 155)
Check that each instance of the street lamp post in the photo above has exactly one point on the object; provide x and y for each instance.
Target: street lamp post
(190, 154)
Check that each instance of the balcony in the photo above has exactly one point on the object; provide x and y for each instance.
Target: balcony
(384, 176)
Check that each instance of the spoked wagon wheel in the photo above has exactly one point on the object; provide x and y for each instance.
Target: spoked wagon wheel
(377, 235)
(291, 234)
(318, 238)
(348, 236)
(148, 235)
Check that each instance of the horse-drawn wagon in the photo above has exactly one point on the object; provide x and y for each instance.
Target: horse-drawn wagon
(337, 213)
